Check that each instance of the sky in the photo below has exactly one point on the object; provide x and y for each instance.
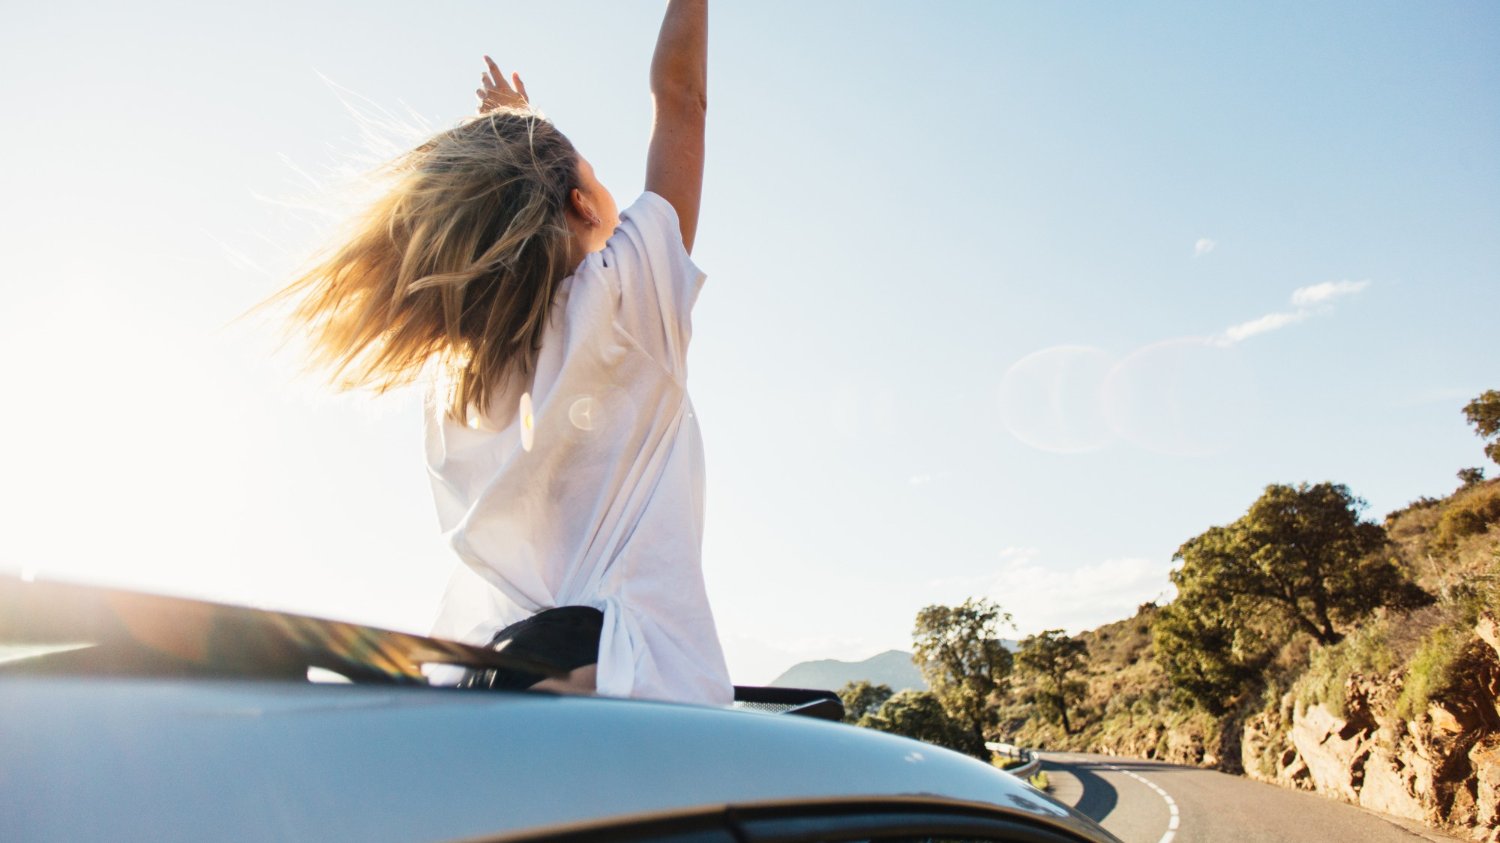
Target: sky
(1005, 300)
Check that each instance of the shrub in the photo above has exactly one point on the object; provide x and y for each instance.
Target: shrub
(1393, 521)
(1366, 652)
(861, 698)
(1431, 669)
(919, 714)
(1469, 514)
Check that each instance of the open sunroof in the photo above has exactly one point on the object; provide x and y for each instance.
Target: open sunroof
(57, 628)
(60, 629)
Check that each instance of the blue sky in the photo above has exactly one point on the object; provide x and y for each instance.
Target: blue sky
(1003, 298)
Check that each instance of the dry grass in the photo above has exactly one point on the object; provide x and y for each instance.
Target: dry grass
(1444, 542)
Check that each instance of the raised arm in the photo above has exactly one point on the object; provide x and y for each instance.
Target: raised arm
(679, 87)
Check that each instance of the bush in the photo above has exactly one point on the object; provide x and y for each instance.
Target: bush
(861, 699)
(1470, 513)
(1431, 670)
(1366, 652)
(1393, 521)
(918, 714)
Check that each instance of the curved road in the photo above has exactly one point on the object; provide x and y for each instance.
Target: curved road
(1150, 802)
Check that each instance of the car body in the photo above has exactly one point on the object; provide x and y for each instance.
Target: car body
(174, 746)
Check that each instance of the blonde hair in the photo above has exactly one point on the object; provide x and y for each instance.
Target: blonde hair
(457, 264)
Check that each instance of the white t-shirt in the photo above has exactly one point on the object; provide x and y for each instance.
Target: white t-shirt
(597, 499)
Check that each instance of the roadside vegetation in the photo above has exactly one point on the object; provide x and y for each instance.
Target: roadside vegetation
(1302, 601)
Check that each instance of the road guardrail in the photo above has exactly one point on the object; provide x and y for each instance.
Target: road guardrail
(1031, 762)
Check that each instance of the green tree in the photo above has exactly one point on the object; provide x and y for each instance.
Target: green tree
(1299, 559)
(1301, 551)
(1470, 476)
(1208, 660)
(920, 715)
(958, 650)
(861, 698)
(1051, 661)
(1484, 413)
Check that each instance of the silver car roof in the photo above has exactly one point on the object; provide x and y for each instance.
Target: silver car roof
(137, 716)
(171, 759)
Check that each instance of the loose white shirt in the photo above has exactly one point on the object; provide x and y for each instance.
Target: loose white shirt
(596, 497)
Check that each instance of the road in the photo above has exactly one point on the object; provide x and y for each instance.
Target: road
(1149, 802)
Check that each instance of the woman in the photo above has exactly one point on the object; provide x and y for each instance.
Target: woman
(565, 458)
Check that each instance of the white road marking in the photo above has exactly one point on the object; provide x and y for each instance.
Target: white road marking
(1172, 821)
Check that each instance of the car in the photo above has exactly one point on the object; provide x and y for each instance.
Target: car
(129, 716)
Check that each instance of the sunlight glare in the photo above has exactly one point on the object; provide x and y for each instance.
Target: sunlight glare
(581, 413)
(1182, 397)
(528, 422)
(1050, 399)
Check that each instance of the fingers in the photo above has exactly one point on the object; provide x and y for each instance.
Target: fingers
(495, 74)
(496, 92)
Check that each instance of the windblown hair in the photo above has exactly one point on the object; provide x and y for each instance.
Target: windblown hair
(457, 264)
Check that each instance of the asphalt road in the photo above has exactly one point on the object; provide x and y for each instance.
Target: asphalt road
(1148, 802)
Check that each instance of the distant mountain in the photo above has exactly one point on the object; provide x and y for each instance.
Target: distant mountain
(893, 668)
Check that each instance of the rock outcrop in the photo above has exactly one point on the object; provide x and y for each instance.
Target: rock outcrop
(1441, 766)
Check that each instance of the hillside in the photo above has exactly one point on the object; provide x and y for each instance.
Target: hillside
(1127, 706)
(893, 668)
(1402, 715)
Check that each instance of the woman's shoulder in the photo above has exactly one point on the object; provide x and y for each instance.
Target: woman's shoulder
(632, 251)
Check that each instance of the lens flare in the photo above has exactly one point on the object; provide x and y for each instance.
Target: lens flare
(1183, 397)
(526, 423)
(1050, 399)
(581, 413)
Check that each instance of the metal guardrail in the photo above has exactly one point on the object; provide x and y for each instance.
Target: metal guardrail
(1032, 761)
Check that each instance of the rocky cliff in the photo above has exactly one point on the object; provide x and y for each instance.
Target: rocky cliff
(1440, 765)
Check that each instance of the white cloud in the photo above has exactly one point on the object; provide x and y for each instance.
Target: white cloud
(1263, 325)
(1203, 247)
(1305, 299)
(1045, 595)
(1325, 292)
(1048, 597)
(927, 478)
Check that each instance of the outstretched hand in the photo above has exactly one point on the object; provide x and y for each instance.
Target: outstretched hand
(497, 92)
